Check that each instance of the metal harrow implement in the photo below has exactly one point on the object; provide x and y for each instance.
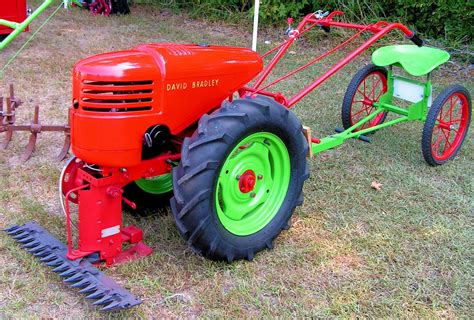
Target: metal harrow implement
(7, 125)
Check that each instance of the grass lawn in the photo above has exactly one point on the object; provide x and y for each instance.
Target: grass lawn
(404, 251)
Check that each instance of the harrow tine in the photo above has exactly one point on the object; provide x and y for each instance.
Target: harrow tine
(67, 144)
(9, 120)
(35, 128)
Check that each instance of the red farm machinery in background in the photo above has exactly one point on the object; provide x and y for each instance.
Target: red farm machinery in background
(163, 121)
(12, 10)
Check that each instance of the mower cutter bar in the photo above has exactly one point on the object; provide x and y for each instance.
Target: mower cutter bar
(79, 273)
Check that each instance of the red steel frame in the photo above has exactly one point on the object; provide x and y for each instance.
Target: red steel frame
(379, 29)
(100, 208)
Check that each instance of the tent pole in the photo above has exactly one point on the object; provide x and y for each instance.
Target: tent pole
(255, 24)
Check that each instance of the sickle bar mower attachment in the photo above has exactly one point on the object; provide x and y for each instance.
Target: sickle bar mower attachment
(80, 274)
(7, 124)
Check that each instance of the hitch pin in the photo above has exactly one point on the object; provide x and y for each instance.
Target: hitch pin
(132, 204)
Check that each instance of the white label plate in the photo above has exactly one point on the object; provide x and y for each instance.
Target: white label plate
(110, 231)
(410, 91)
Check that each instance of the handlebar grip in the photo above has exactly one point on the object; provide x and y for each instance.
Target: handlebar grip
(416, 40)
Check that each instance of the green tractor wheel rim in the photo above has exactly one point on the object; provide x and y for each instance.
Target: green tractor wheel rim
(156, 185)
(252, 183)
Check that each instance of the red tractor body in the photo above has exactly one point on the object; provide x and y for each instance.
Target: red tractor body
(118, 96)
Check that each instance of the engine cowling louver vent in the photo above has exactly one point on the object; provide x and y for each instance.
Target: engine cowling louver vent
(103, 96)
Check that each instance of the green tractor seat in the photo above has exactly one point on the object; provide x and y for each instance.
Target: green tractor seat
(417, 61)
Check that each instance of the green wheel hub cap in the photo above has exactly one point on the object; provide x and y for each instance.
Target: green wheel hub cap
(156, 185)
(252, 183)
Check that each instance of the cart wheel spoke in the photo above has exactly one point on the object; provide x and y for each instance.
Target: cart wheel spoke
(367, 86)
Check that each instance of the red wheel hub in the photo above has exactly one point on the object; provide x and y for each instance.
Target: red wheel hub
(247, 181)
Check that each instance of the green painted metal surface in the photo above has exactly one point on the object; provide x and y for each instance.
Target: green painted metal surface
(247, 213)
(156, 185)
(417, 61)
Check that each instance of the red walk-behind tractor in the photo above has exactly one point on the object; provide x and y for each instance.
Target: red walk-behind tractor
(160, 124)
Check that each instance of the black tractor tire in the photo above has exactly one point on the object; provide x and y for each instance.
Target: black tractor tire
(203, 155)
(347, 104)
(431, 122)
(146, 203)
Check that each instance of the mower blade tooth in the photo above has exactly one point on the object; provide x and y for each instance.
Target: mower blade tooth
(61, 268)
(26, 240)
(21, 235)
(111, 307)
(12, 230)
(68, 273)
(74, 278)
(89, 289)
(42, 253)
(31, 244)
(102, 301)
(48, 258)
(36, 249)
(54, 263)
(96, 295)
(81, 284)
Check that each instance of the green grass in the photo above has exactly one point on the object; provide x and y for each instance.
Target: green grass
(352, 252)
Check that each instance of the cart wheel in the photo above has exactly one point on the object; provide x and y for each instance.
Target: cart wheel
(150, 194)
(446, 125)
(240, 178)
(367, 86)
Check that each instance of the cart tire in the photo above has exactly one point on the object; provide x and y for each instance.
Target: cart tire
(216, 174)
(437, 143)
(372, 80)
(149, 195)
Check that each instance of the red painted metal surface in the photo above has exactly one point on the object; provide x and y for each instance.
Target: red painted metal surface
(12, 10)
(99, 197)
(247, 181)
(369, 91)
(379, 29)
(118, 96)
(446, 136)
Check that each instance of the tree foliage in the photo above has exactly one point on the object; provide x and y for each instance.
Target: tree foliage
(448, 20)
